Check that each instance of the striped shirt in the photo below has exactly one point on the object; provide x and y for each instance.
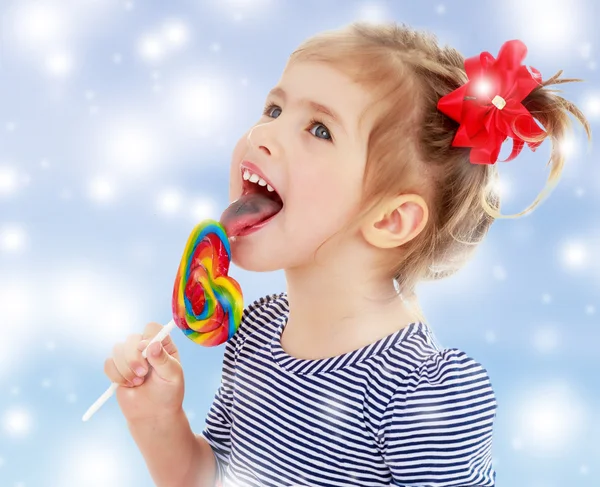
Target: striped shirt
(399, 411)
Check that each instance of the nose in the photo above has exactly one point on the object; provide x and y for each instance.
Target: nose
(262, 138)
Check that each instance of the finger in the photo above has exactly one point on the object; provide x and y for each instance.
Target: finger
(110, 369)
(170, 348)
(164, 365)
(133, 356)
(122, 366)
(152, 330)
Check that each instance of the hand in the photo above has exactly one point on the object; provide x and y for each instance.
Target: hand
(148, 388)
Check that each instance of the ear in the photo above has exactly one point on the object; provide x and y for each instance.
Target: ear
(396, 221)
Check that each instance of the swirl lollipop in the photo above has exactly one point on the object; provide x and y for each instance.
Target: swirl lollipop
(207, 304)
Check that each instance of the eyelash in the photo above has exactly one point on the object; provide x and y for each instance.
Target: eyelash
(313, 121)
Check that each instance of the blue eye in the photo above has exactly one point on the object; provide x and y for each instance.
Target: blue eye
(321, 131)
(270, 109)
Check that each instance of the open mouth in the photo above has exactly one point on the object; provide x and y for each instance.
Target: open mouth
(257, 206)
(254, 183)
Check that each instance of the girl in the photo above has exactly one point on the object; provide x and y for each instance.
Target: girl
(370, 170)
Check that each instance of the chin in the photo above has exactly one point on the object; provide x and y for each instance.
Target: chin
(246, 256)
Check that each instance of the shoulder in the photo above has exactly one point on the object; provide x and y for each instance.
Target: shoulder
(447, 382)
(259, 315)
(444, 405)
(262, 311)
(447, 368)
(273, 304)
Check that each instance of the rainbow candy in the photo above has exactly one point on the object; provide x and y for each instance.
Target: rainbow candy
(207, 303)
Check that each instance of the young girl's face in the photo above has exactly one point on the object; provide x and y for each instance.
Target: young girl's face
(309, 146)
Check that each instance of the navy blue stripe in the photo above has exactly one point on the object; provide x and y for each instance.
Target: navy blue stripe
(399, 411)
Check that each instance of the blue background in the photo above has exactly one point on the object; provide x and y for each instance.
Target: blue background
(117, 122)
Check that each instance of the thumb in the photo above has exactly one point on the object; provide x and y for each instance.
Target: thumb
(165, 366)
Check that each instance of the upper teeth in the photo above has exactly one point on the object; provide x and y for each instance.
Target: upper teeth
(254, 178)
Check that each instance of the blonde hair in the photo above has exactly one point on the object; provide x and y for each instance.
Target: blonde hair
(409, 144)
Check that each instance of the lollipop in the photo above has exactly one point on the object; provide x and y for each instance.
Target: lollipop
(207, 304)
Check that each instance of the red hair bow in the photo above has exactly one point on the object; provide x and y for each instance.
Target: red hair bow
(488, 107)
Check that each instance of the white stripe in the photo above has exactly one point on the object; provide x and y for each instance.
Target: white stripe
(287, 410)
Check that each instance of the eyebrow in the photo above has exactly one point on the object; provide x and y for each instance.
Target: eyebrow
(317, 107)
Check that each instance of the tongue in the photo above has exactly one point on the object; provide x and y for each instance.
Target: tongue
(251, 209)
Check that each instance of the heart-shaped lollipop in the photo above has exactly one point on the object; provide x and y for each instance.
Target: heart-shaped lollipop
(207, 303)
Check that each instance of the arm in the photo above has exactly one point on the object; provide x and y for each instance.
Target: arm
(174, 455)
(437, 428)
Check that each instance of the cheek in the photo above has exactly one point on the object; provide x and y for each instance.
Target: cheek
(234, 168)
(329, 199)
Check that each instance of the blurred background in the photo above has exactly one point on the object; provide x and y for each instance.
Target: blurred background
(117, 122)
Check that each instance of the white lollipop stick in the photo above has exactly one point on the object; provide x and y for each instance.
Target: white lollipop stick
(162, 334)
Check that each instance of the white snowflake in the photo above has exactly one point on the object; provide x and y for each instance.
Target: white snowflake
(40, 24)
(499, 273)
(151, 48)
(585, 50)
(13, 239)
(555, 26)
(132, 146)
(170, 201)
(490, 336)
(17, 422)
(80, 288)
(8, 180)
(96, 463)
(591, 106)
(59, 64)
(373, 12)
(202, 209)
(101, 190)
(175, 33)
(546, 339)
(198, 102)
(575, 255)
(550, 417)
(14, 309)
